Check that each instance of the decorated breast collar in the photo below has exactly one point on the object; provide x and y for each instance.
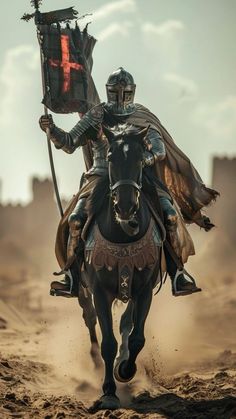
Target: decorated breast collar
(125, 257)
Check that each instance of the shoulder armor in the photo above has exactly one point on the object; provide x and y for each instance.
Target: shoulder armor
(92, 119)
(141, 107)
(96, 113)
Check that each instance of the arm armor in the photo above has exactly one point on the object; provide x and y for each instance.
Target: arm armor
(157, 149)
(87, 127)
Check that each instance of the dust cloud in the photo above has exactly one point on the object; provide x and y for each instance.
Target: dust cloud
(44, 342)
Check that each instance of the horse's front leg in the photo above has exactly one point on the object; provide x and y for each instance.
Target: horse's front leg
(90, 319)
(126, 370)
(103, 302)
(126, 326)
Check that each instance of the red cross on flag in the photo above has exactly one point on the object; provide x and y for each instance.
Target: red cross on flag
(67, 66)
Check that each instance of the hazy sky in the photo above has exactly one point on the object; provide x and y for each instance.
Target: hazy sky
(181, 53)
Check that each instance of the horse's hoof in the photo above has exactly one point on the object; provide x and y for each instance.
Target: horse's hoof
(120, 375)
(109, 402)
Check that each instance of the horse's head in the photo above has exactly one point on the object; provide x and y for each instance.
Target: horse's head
(125, 156)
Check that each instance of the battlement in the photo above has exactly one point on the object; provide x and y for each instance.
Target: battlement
(223, 171)
(42, 190)
(224, 160)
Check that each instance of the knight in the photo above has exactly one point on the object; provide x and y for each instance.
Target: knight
(175, 182)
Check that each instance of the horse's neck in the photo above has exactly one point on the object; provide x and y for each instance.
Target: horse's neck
(112, 231)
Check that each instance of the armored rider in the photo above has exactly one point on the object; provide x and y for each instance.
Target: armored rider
(120, 109)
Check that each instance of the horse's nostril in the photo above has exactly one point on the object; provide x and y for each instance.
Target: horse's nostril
(133, 223)
(125, 209)
(134, 208)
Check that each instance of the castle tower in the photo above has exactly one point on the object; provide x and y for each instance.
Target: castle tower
(224, 181)
(42, 191)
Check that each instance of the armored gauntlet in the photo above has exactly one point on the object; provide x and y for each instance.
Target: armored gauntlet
(45, 122)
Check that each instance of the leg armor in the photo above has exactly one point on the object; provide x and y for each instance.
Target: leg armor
(171, 218)
(169, 212)
(76, 222)
(68, 286)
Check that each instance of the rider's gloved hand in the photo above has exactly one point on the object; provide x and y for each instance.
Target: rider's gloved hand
(45, 122)
(207, 225)
(202, 221)
(149, 159)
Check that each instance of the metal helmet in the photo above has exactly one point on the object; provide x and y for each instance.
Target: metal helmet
(120, 92)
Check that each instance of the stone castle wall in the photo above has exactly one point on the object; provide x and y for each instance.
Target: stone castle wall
(38, 218)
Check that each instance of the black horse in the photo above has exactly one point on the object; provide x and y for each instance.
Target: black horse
(124, 259)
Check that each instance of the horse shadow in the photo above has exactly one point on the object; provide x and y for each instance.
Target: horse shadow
(175, 407)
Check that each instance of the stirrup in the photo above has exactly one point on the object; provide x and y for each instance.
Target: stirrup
(176, 293)
(63, 293)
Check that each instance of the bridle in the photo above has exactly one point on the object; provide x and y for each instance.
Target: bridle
(129, 225)
(137, 185)
(129, 182)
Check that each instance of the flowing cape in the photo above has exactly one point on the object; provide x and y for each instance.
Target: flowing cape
(177, 172)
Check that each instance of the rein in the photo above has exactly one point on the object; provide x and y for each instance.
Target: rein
(129, 182)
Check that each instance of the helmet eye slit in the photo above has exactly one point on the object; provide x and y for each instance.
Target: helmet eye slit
(120, 92)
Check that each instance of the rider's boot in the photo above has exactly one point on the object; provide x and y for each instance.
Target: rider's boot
(182, 282)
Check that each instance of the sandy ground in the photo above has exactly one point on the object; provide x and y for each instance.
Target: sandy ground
(46, 371)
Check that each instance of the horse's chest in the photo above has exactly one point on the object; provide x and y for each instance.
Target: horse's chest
(122, 257)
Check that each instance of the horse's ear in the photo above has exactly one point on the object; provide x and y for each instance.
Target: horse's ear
(108, 133)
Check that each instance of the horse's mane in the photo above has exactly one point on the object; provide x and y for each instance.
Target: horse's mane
(96, 199)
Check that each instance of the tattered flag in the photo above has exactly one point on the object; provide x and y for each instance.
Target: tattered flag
(58, 16)
(55, 16)
(67, 66)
